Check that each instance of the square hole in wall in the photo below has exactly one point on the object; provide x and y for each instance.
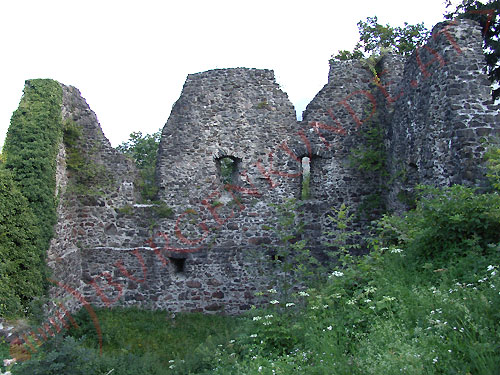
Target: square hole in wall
(228, 169)
(178, 264)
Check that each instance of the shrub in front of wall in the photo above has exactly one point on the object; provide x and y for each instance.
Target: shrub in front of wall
(448, 223)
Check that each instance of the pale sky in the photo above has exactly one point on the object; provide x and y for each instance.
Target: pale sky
(130, 59)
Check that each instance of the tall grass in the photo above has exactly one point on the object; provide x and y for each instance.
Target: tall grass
(401, 309)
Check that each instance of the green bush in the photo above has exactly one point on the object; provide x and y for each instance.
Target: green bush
(21, 268)
(447, 223)
(492, 157)
(66, 356)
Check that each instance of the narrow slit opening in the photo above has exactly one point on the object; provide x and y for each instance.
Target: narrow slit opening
(305, 188)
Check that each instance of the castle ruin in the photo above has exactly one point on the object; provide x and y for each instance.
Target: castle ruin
(432, 109)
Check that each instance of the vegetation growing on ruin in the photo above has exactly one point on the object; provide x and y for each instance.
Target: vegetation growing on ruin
(370, 158)
(87, 177)
(21, 268)
(425, 300)
(30, 151)
(374, 39)
(492, 157)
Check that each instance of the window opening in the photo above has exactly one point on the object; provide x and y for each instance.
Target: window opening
(228, 170)
(305, 188)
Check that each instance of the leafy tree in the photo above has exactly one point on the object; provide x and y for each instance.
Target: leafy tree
(487, 15)
(143, 149)
(375, 39)
(20, 262)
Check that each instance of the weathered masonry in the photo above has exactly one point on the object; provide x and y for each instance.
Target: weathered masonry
(232, 148)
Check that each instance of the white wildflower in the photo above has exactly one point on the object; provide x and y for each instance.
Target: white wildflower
(290, 304)
(7, 362)
(337, 274)
(257, 317)
(303, 294)
(396, 251)
(272, 290)
(274, 302)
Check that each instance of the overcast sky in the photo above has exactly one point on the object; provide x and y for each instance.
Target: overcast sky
(130, 59)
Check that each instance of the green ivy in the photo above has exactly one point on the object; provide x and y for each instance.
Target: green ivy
(21, 267)
(30, 152)
(88, 178)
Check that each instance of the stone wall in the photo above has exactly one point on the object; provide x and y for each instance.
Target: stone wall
(85, 220)
(208, 252)
(443, 112)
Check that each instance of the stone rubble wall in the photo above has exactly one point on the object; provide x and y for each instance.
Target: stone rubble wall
(444, 112)
(84, 221)
(210, 253)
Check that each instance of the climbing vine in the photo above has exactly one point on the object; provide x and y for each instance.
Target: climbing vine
(87, 177)
(30, 152)
(21, 269)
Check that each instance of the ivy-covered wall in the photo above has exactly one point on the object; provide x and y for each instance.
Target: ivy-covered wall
(20, 260)
(30, 153)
